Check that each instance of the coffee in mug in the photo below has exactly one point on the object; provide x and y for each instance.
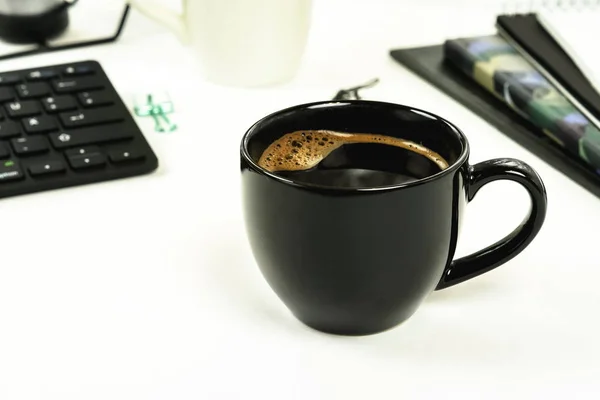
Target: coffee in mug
(323, 157)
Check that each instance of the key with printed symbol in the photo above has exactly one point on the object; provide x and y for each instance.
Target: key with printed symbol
(10, 170)
(71, 85)
(40, 124)
(57, 104)
(46, 167)
(87, 136)
(9, 129)
(97, 116)
(77, 70)
(95, 99)
(33, 90)
(79, 151)
(19, 109)
(29, 145)
(41, 74)
(87, 161)
(125, 156)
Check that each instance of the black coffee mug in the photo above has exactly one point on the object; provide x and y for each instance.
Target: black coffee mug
(361, 261)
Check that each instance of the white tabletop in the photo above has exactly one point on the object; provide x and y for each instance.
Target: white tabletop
(145, 288)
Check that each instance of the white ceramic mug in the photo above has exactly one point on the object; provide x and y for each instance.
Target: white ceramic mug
(240, 42)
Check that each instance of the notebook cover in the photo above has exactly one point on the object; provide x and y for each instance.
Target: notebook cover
(497, 66)
(429, 63)
(535, 42)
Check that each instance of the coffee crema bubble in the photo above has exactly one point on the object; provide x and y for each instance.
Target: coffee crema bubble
(303, 150)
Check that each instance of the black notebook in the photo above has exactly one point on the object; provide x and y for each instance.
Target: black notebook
(528, 36)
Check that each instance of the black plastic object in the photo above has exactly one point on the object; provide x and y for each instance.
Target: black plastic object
(52, 137)
(357, 261)
(35, 29)
(428, 63)
(45, 48)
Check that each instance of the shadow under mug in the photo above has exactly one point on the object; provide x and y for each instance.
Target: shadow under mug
(361, 261)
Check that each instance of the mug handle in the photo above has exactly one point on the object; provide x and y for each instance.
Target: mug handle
(164, 16)
(504, 250)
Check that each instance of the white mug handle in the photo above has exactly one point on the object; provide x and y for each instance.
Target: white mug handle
(164, 16)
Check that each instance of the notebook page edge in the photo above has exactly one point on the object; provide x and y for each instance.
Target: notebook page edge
(549, 21)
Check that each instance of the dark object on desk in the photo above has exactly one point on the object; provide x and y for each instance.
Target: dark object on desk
(65, 125)
(535, 44)
(33, 21)
(495, 65)
(379, 280)
(44, 47)
(428, 62)
(352, 93)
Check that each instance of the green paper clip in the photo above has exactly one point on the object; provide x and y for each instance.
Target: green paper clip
(157, 107)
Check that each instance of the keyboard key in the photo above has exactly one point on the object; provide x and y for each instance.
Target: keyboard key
(10, 170)
(87, 161)
(41, 74)
(82, 150)
(29, 145)
(40, 124)
(59, 104)
(4, 152)
(87, 136)
(95, 99)
(124, 156)
(6, 94)
(47, 167)
(10, 79)
(71, 85)
(76, 70)
(9, 129)
(19, 109)
(98, 116)
(32, 90)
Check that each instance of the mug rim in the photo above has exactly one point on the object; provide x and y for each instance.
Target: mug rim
(460, 160)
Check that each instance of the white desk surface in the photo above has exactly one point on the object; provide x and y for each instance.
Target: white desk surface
(145, 288)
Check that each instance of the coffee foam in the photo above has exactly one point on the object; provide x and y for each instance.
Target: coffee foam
(302, 150)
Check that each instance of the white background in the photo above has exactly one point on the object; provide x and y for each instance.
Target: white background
(145, 288)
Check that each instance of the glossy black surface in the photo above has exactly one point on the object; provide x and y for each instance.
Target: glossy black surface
(33, 133)
(500, 252)
(26, 29)
(359, 261)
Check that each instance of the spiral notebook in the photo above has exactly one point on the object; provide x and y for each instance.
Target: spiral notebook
(559, 39)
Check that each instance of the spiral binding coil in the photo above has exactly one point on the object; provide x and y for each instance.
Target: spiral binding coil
(528, 6)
